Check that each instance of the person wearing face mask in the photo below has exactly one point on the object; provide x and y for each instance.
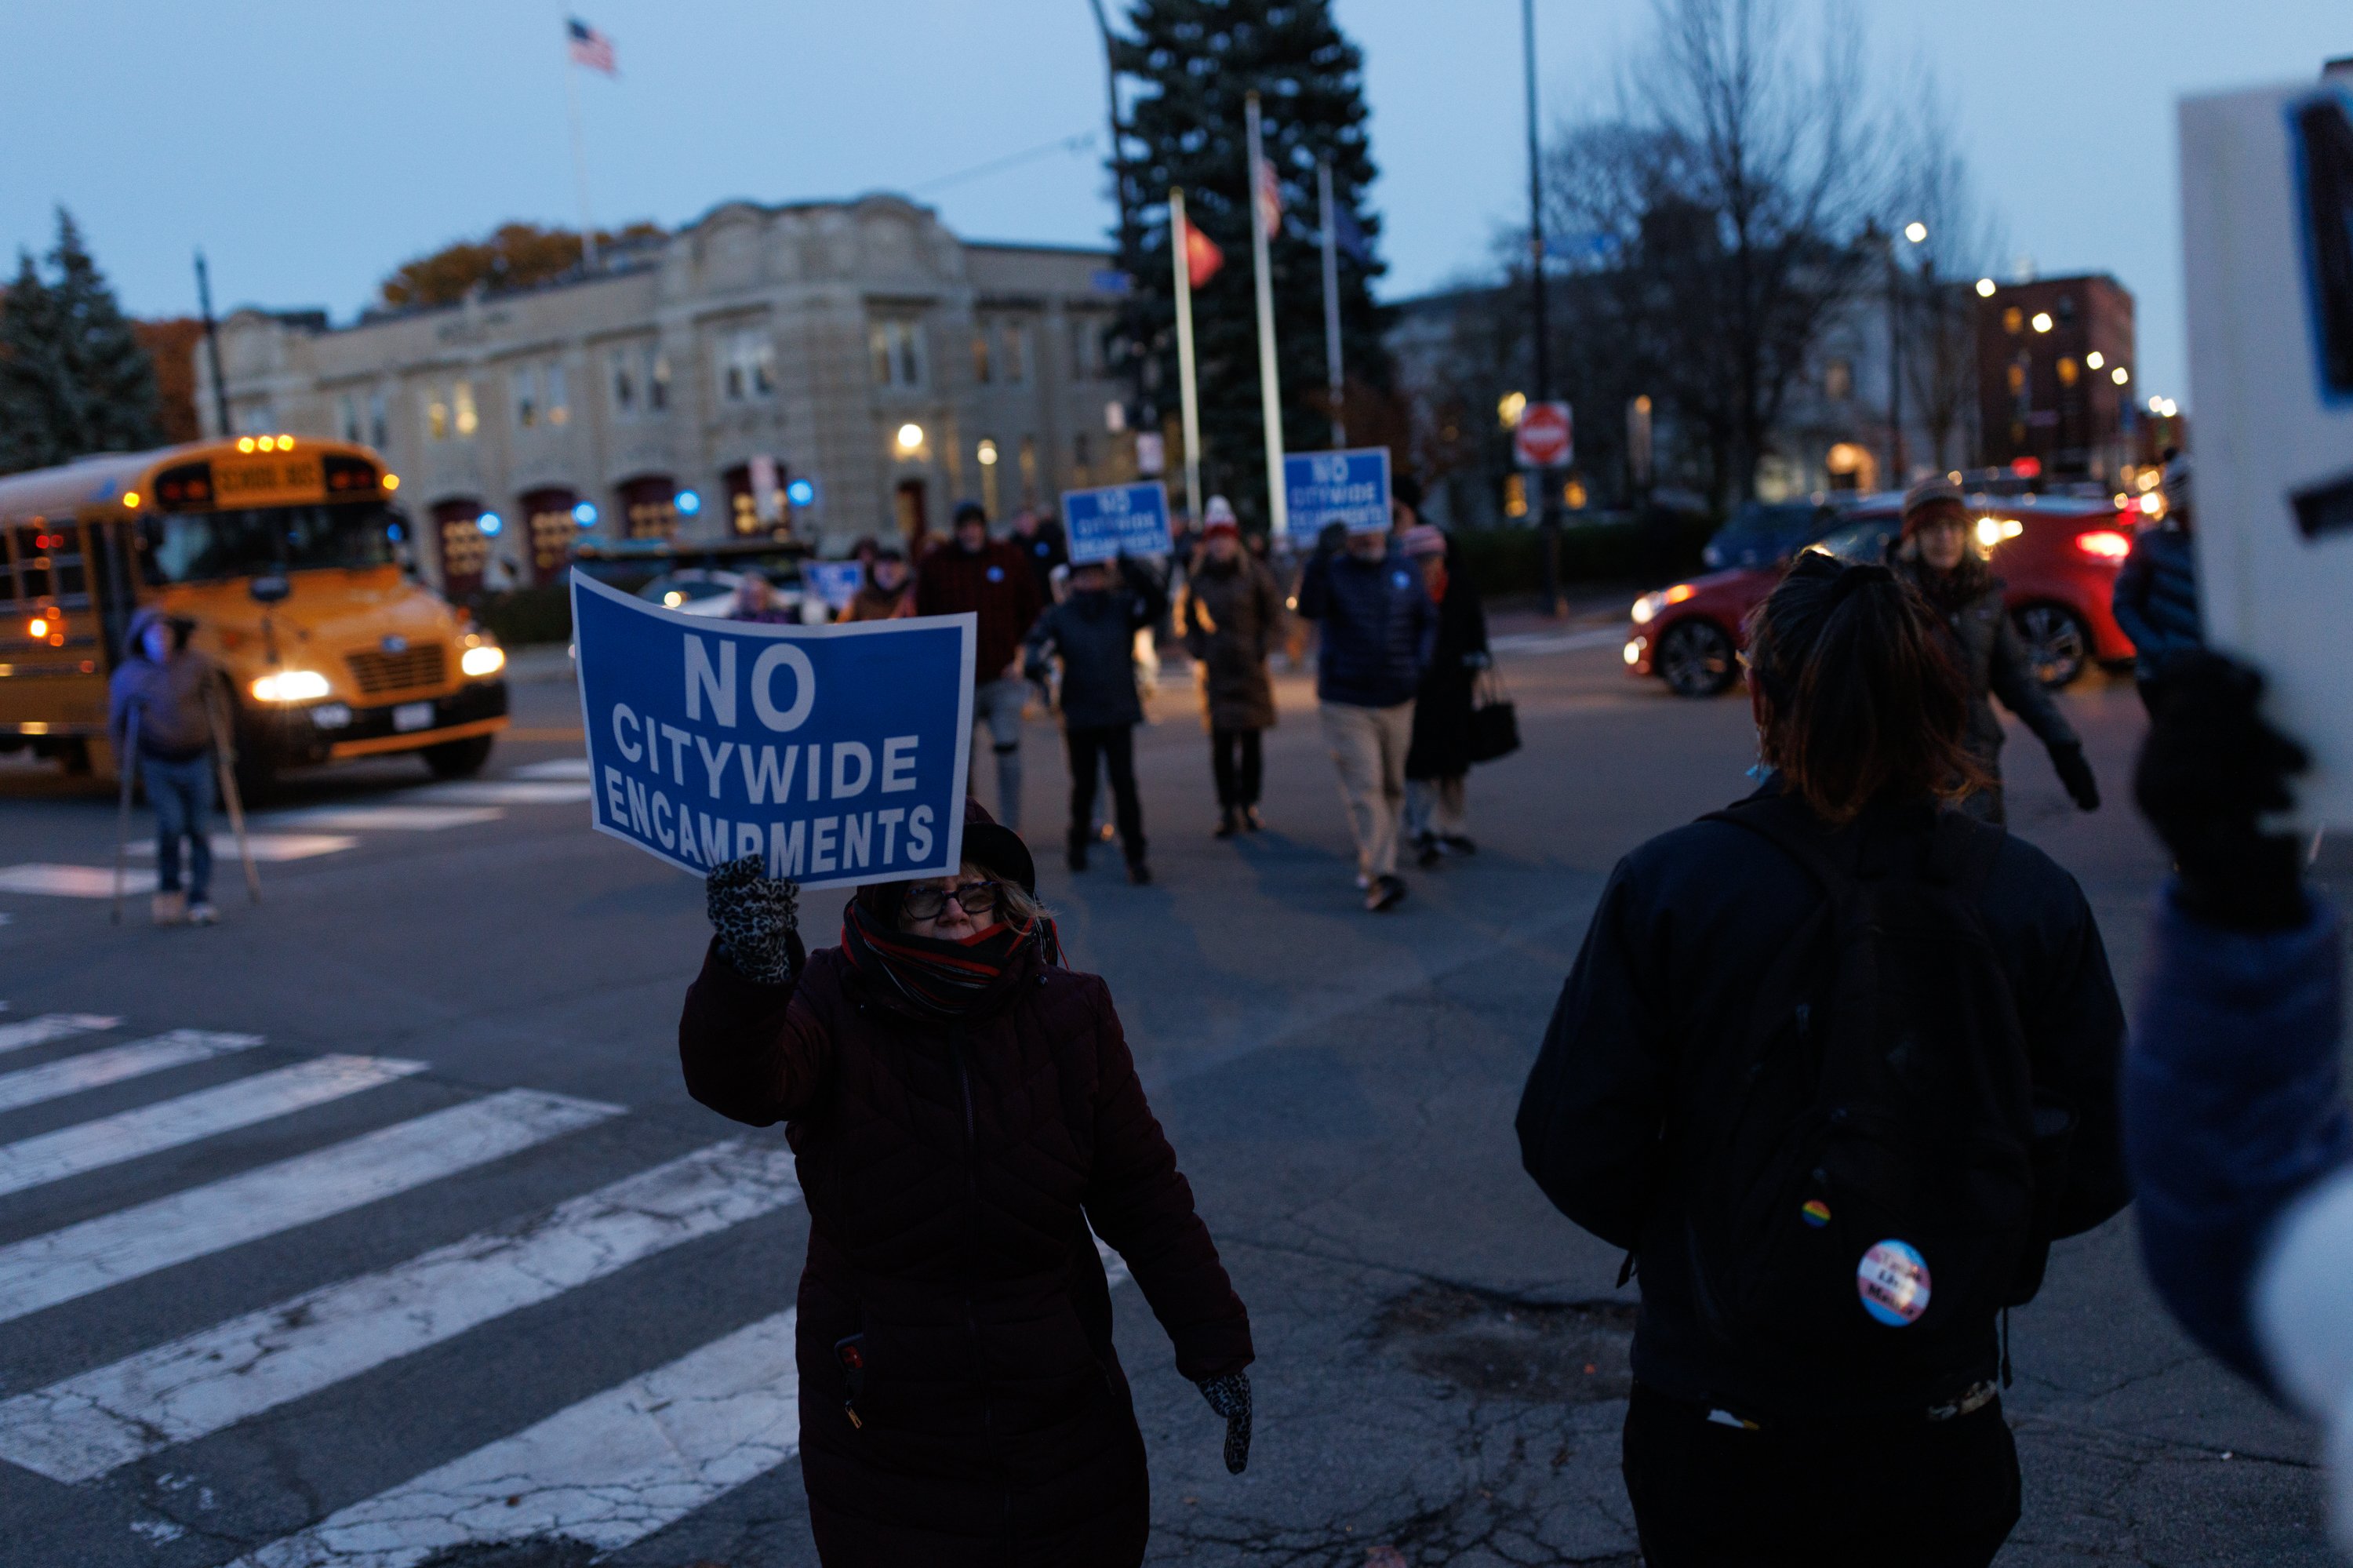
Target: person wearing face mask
(1378, 630)
(166, 687)
(1936, 558)
(1230, 619)
(964, 1109)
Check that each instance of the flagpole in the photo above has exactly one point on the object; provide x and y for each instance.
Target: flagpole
(1269, 391)
(1180, 247)
(1331, 377)
(579, 160)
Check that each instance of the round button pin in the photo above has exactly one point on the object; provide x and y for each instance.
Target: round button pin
(1893, 1280)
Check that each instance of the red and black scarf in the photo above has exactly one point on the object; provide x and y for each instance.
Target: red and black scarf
(945, 980)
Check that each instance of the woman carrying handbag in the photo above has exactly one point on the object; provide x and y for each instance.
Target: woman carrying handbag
(1438, 760)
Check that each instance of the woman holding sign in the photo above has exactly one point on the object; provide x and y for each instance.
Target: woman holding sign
(963, 1109)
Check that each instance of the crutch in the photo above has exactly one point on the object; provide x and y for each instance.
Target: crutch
(122, 765)
(224, 764)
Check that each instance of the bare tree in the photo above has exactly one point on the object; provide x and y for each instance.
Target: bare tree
(1719, 203)
(1937, 313)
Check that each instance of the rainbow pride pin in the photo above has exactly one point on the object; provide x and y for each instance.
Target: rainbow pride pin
(1816, 1213)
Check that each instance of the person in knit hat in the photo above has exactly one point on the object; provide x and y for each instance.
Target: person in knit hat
(1230, 615)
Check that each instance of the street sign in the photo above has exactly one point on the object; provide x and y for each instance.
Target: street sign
(835, 583)
(1350, 488)
(1543, 437)
(1120, 519)
(2264, 208)
(839, 753)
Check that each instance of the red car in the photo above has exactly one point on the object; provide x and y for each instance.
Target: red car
(2057, 555)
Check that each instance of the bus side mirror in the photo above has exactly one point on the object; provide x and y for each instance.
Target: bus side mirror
(270, 590)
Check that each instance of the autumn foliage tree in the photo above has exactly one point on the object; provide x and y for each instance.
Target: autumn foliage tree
(511, 256)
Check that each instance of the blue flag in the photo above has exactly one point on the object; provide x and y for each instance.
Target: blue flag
(837, 753)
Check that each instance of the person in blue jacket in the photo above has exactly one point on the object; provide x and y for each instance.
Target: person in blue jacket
(1378, 630)
(2156, 596)
(2237, 1132)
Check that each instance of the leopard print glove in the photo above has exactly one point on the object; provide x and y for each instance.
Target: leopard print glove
(1229, 1396)
(757, 920)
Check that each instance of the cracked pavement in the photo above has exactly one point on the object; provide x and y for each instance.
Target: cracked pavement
(1340, 1090)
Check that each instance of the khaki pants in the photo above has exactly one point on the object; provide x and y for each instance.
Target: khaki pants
(1368, 746)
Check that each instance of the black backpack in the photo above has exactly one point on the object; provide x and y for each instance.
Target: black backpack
(1859, 1165)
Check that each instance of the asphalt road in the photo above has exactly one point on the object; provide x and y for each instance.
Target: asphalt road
(375, 1224)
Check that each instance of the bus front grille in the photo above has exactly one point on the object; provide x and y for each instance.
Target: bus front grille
(379, 672)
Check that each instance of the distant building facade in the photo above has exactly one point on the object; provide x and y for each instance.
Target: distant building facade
(686, 389)
(2055, 366)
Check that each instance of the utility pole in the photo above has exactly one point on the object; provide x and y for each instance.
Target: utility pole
(1894, 368)
(1146, 416)
(1335, 383)
(1547, 513)
(1268, 385)
(212, 346)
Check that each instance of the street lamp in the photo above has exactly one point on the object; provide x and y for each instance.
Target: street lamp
(1915, 232)
(1985, 288)
(911, 437)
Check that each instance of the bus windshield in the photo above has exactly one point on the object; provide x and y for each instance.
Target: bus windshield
(207, 546)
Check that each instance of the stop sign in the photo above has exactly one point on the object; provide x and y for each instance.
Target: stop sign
(1542, 438)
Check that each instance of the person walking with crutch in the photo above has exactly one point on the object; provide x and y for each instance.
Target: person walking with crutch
(161, 723)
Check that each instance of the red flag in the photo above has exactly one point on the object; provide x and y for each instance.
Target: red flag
(1270, 199)
(1202, 256)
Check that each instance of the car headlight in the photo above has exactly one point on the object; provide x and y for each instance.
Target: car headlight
(1646, 609)
(483, 661)
(290, 686)
(1634, 651)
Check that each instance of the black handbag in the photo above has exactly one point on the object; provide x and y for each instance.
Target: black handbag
(1494, 720)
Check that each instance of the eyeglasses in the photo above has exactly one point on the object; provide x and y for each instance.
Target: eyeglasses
(977, 897)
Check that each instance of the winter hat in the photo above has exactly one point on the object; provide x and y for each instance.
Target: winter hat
(2177, 484)
(1406, 490)
(1422, 539)
(1938, 489)
(1218, 517)
(970, 511)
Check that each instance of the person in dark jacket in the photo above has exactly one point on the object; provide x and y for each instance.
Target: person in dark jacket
(1093, 631)
(1378, 628)
(992, 579)
(2239, 1137)
(1937, 556)
(885, 594)
(168, 688)
(1438, 762)
(2156, 596)
(1229, 616)
(962, 1108)
(1038, 537)
(1738, 1450)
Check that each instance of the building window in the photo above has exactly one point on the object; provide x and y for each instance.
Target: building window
(347, 416)
(1085, 347)
(747, 367)
(2068, 370)
(436, 417)
(1016, 355)
(657, 380)
(1028, 471)
(463, 414)
(1837, 380)
(559, 396)
(897, 350)
(982, 368)
(625, 384)
(2013, 321)
(526, 399)
(379, 423)
(1081, 456)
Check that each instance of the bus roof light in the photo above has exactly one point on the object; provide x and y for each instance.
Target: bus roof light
(391, 482)
(245, 443)
(130, 500)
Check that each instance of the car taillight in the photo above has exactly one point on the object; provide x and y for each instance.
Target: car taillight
(2105, 544)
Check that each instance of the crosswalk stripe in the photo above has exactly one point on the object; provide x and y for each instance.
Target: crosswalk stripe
(265, 847)
(50, 1026)
(132, 1134)
(505, 792)
(98, 1421)
(385, 819)
(66, 1264)
(93, 1069)
(555, 768)
(606, 1472)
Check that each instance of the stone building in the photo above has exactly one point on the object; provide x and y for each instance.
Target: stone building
(818, 370)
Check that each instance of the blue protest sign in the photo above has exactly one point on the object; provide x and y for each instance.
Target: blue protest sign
(1130, 519)
(837, 752)
(1350, 488)
(835, 583)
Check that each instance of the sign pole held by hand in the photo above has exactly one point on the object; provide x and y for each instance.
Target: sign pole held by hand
(224, 763)
(1265, 193)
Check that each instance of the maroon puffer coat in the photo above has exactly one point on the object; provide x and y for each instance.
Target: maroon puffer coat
(951, 1174)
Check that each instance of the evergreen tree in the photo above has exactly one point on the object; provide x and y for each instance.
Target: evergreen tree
(1197, 60)
(73, 379)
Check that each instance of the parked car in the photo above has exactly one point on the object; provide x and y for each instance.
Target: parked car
(704, 591)
(1763, 534)
(2057, 555)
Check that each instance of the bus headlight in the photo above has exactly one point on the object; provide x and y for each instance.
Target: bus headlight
(290, 686)
(1646, 609)
(482, 660)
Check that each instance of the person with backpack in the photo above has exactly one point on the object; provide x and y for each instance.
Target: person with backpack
(1835, 1066)
(1937, 557)
(161, 721)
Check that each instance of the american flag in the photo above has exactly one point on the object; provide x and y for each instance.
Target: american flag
(590, 48)
(1270, 198)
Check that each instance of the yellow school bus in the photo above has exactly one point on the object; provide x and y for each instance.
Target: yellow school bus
(287, 554)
